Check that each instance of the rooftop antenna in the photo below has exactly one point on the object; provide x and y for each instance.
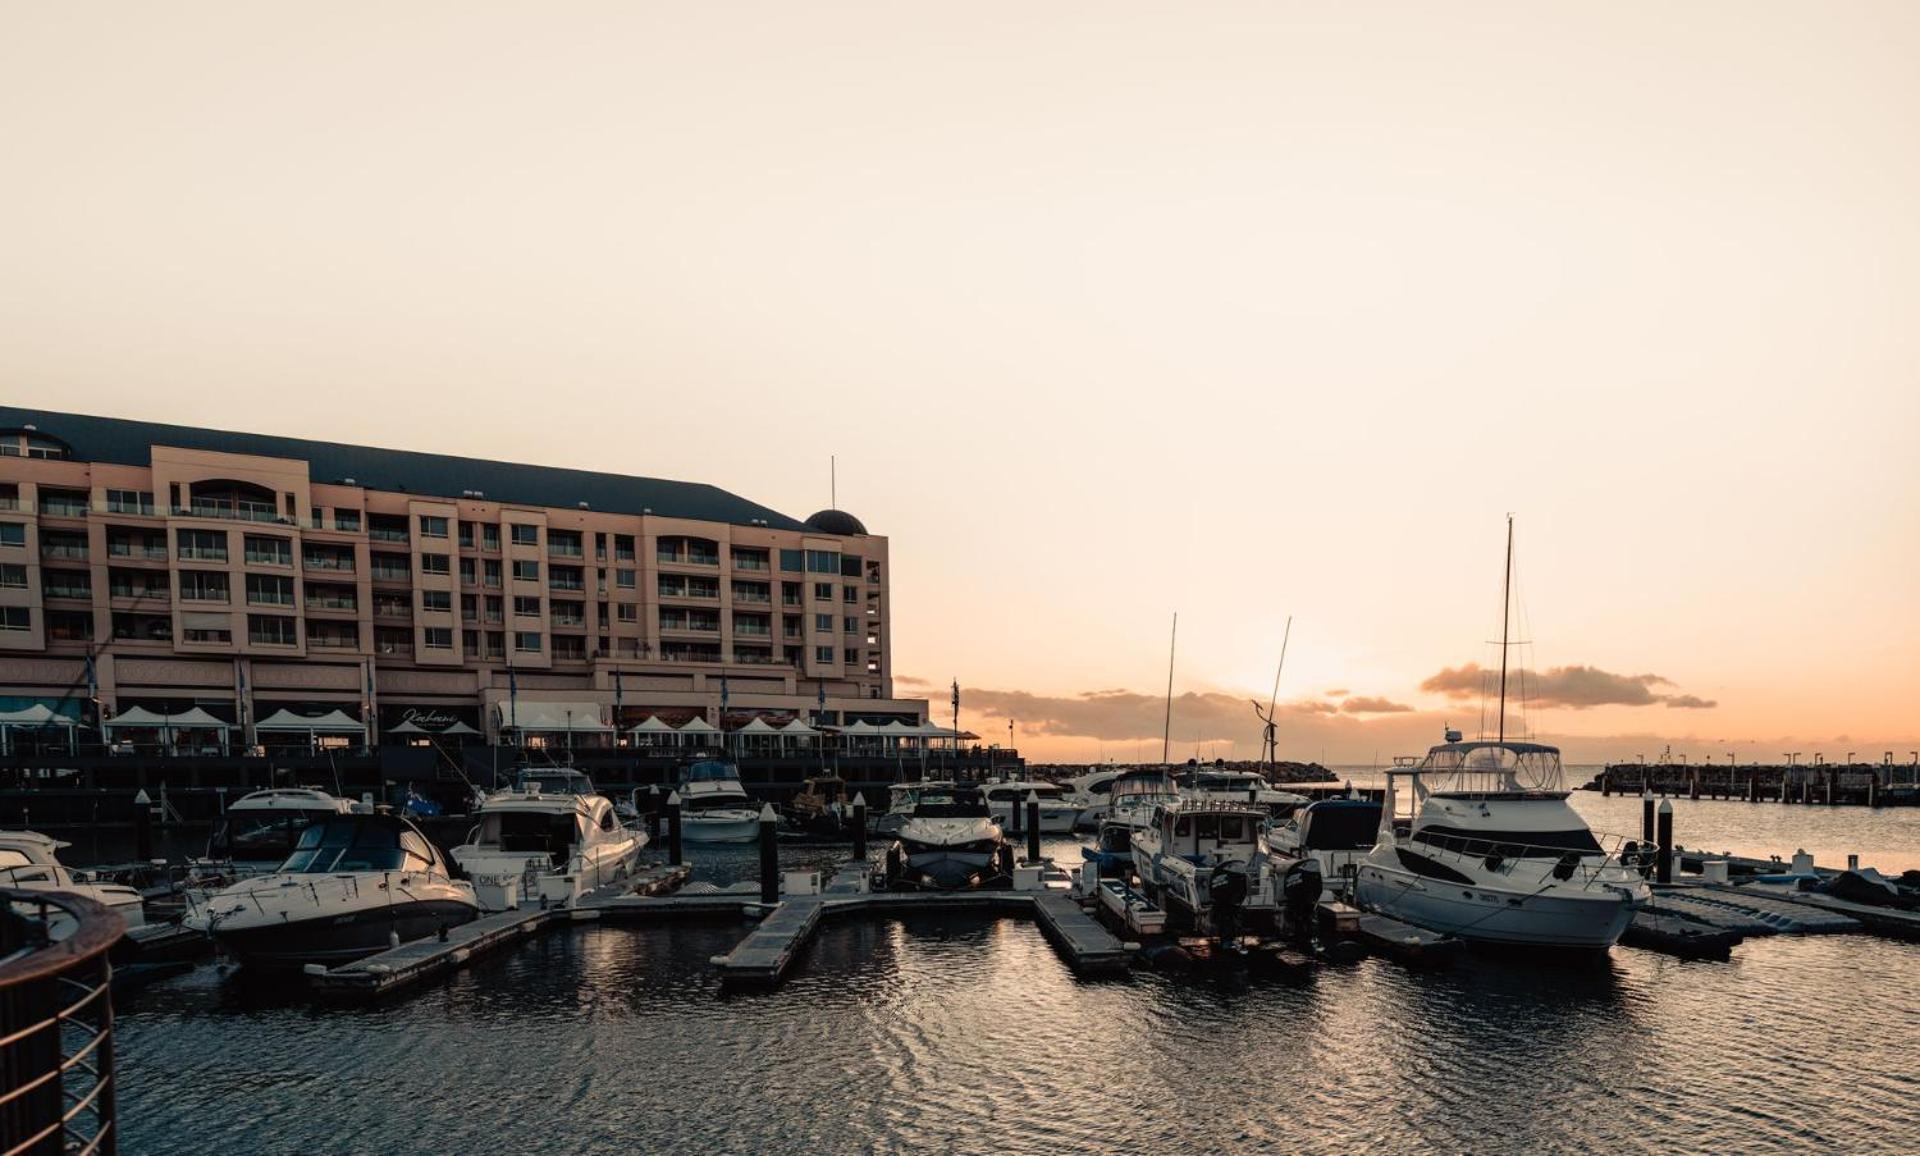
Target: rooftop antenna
(1166, 731)
(833, 482)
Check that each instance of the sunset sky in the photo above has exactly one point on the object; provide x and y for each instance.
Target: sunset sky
(1107, 311)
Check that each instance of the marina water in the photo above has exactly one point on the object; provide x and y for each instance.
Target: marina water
(969, 1034)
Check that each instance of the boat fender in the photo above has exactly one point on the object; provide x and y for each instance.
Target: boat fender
(1494, 862)
(1568, 864)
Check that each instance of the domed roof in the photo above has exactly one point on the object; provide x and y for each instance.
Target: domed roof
(835, 522)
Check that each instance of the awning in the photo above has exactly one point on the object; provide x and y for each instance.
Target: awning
(192, 719)
(651, 725)
(37, 715)
(334, 722)
(581, 717)
(757, 726)
(863, 727)
(698, 726)
(798, 728)
(456, 727)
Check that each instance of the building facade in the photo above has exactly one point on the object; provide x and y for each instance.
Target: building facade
(168, 568)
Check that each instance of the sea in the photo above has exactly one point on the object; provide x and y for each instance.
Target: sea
(969, 1034)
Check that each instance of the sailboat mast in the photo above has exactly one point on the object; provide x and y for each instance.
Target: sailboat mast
(1166, 732)
(1273, 738)
(1506, 603)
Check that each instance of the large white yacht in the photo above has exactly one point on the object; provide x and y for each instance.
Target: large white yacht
(259, 830)
(353, 884)
(949, 842)
(903, 797)
(1493, 852)
(28, 862)
(1217, 784)
(1196, 854)
(1058, 813)
(553, 831)
(714, 807)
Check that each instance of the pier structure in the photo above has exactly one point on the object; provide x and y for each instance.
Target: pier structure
(1886, 783)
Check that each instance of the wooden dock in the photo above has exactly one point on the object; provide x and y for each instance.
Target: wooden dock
(769, 949)
(1672, 932)
(1404, 941)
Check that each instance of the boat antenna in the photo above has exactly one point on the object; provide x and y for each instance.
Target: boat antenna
(833, 481)
(1506, 602)
(1270, 740)
(1166, 730)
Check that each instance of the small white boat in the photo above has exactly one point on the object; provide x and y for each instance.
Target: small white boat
(259, 829)
(1217, 784)
(1058, 814)
(714, 807)
(1196, 856)
(1496, 855)
(1135, 911)
(28, 862)
(554, 833)
(353, 885)
(949, 843)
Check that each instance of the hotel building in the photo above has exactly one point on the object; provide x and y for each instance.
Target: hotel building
(168, 568)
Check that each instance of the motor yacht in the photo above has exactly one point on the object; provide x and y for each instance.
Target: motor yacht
(714, 807)
(554, 832)
(1196, 856)
(948, 843)
(1217, 784)
(1058, 814)
(29, 862)
(1090, 792)
(902, 798)
(1492, 852)
(353, 885)
(1129, 805)
(259, 830)
(821, 807)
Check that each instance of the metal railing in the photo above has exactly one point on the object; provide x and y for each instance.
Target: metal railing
(57, 1086)
(1501, 856)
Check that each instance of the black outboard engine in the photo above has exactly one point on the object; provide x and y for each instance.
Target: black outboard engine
(1226, 895)
(1300, 889)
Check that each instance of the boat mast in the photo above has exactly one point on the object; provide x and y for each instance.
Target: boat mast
(1506, 602)
(1166, 731)
(1273, 736)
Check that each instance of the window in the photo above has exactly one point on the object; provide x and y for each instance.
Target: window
(265, 551)
(850, 594)
(823, 591)
(470, 641)
(490, 572)
(849, 565)
(793, 561)
(624, 579)
(466, 572)
(13, 576)
(202, 586)
(436, 564)
(526, 641)
(392, 639)
(269, 590)
(489, 537)
(437, 637)
(270, 630)
(466, 538)
(823, 561)
(348, 520)
(130, 502)
(526, 607)
(526, 535)
(494, 612)
(13, 534)
(15, 618)
(823, 654)
(628, 612)
(850, 625)
(432, 526)
(823, 622)
(204, 545)
(623, 547)
(443, 600)
(526, 571)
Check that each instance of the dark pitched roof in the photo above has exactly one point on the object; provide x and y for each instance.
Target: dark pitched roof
(122, 442)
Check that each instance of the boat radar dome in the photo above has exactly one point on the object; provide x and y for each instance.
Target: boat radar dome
(835, 522)
(1453, 736)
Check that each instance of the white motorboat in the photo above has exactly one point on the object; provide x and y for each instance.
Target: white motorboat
(554, 833)
(1199, 856)
(901, 799)
(28, 862)
(1129, 806)
(949, 843)
(714, 807)
(1217, 784)
(1058, 814)
(1496, 854)
(259, 830)
(353, 885)
(1090, 792)
(1335, 833)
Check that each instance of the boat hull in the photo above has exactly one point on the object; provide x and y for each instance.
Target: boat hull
(731, 829)
(946, 870)
(336, 938)
(1587, 918)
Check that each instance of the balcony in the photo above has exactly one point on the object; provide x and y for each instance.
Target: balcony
(576, 620)
(63, 550)
(677, 558)
(562, 550)
(136, 551)
(202, 554)
(123, 590)
(384, 534)
(751, 564)
(391, 574)
(742, 630)
(393, 611)
(263, 558)
(682, 626)
(62, 508)
(75, 593)
(235, 512)
(572, 585)
(350, 604)
(269, 598)
(340, 563)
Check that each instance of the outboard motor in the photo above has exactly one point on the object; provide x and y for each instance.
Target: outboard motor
(1226, 893)
(1300, 888)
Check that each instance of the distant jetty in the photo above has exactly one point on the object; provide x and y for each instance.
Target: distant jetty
(1883, 784)
(1281, 771)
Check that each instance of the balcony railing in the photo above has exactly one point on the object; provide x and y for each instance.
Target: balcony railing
(263, 558)
(132, 509)
(571, 620)
(750, 564)
(79, 592)
(58, 550)
(241, 512)
(269, 598)
(132, 550)
(741, 631)
(754, 599)
(382, 534)
(329, 562)
(388, 574)
(683, 627)
(203, 594)
(561, 550)
(119, 590)
(333, 604)
(55, 508)
(332, 641)
(202, 554)
(688, 559)
(565, 584)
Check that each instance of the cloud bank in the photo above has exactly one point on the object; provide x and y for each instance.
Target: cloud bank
(1573, 687)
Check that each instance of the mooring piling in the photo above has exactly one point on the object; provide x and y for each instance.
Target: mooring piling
(673, 829)
(1033, 827)
(769, 856)
(1663, 869)
(859, 827)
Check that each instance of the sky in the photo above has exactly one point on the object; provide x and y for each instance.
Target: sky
(1245, 311)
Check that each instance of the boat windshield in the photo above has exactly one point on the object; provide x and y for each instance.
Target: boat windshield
(951, 808)
(267, 836)
(1342, 826)
(1499, 766)
(711, 771)
(530, 833)
(554, 781)
(1223, 781)
(345, 844)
